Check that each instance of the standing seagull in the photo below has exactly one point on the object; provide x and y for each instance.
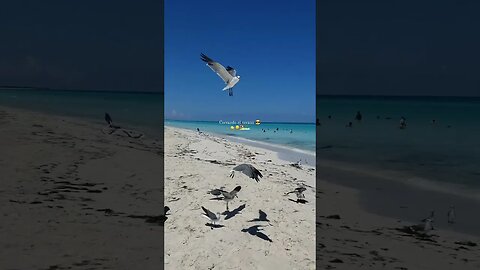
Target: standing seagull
(215, 192)
(108, 119)
(228, 75)
(248, 170)
(451, 215)
(432, 214)
(210, 215)
(228, 196)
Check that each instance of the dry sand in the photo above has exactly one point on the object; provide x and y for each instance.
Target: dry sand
(69, 195)
(196, 163)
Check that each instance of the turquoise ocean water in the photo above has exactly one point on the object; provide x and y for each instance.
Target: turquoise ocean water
(441, 154)
(293, 135)
(145, 111)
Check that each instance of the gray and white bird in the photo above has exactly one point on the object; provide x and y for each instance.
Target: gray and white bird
(228, 75)
(432, 214)
(215, 192)
(210, 215)
(248, 170)
(299, 192)
(424, 227)
(451, 215)
(229, 196)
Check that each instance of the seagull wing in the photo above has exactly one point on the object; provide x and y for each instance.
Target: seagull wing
(217, 68)
(209, 213)
(232, 71)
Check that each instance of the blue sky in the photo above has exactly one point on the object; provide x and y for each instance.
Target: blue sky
(270, 43)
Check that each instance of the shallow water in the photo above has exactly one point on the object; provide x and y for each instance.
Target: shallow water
(294, 135)
(444, 154)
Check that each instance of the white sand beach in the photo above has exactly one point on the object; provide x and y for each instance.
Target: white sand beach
(75, 198)
(196, 163)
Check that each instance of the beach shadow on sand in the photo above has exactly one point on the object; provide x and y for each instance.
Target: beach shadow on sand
(256, 231)
(231, 214)
(262, 216)
(302, 201)
(214, 226)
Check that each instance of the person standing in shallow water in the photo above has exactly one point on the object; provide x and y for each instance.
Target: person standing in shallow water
(403, 123)
(358, 117)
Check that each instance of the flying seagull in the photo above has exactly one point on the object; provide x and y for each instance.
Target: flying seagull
(210, 215)
(299, 192)
(228, 75)
(248, 170)
(228, 196)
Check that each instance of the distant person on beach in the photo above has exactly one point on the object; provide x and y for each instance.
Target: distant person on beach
(350, 124)
(358, 117)
(199, 130)
(403, 123)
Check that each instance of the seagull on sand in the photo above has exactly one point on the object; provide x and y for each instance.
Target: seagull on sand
(432, 214)
(424, 227)
(228, 75)
(299, 192)
(210, 215)
(108, 119)
(248, 170)
(451, 215)
(215, 192)
(228, 196)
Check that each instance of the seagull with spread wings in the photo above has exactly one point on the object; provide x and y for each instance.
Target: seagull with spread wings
(228, 75)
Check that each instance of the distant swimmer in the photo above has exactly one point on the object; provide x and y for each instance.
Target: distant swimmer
(451, 215)
(403, 122)
(291, 131)
(350, 124)
(358, 117)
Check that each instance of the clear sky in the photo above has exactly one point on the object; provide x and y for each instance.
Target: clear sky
(407, 47)
(270, 43)
(87, 44)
